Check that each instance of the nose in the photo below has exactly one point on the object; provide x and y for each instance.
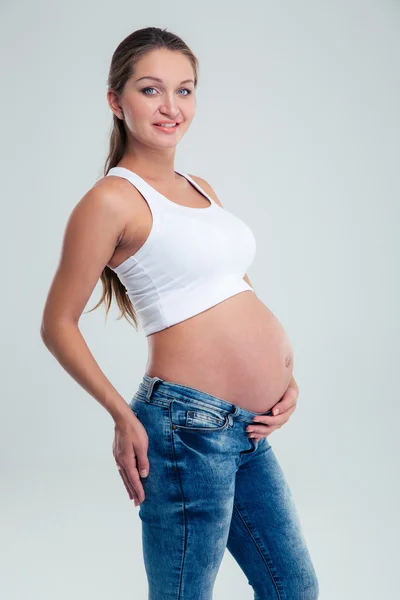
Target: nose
(170, 107)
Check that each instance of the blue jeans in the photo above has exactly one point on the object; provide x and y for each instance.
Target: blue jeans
(211, 487)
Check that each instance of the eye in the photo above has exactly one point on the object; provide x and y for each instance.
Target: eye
(147, 88)
(144, 91)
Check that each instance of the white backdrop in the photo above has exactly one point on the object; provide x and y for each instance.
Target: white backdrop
(314, 89)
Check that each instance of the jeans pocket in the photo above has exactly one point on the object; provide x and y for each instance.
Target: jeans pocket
(203, 418)
(190, 416)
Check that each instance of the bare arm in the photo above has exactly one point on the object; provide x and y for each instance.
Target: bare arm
(91, 235)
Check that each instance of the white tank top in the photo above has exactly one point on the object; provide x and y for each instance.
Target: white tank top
(192, 259)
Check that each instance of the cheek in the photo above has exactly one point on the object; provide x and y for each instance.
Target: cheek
(141, 113)
(188, 116)
(190, 111)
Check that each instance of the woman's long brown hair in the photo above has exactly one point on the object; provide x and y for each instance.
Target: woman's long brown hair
(123, 62)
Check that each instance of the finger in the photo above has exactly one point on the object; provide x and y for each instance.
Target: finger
(288, 401)
(259, 436)
(121, 472)
(125, 479)
(130, 476)
(266, 420)
(133, 477)
(285, 413)
(135, 490)
(259, 429)
(142, 460)
(131, 493)
(263, 428)
(280, 419)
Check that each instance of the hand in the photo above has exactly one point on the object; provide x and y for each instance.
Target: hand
(130, 453)
(264, 425)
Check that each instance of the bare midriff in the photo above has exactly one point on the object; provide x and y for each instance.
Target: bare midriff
(236, 350)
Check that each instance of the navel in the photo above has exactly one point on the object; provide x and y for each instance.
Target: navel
(288, 360)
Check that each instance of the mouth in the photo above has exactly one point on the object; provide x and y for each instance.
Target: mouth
(166, 127)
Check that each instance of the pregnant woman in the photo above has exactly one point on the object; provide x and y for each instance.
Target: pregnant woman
(191, 446)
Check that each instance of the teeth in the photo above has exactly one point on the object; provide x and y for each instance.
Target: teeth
(166, 124)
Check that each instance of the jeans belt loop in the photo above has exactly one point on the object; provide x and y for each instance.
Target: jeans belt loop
(233, 414)
(151, 386)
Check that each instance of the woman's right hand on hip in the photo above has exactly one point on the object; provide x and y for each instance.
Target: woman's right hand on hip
(130, 453)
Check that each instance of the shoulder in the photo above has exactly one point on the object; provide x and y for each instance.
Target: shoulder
(102, 196)
(106, 205)
(116, 194)
(206, 187)
(112, 187)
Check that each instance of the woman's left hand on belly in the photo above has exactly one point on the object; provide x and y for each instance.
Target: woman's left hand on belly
(264, 425)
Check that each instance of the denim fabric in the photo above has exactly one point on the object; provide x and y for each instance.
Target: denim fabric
(211, 487)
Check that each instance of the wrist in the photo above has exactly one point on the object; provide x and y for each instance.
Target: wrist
(121, 412)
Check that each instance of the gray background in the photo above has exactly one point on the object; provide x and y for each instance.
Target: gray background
(297, 130)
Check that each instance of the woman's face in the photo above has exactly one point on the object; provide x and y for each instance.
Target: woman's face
(161, 89)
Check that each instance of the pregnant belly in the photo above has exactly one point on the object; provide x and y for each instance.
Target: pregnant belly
(236, 350)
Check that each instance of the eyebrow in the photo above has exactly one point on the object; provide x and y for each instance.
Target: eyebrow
(161, 81)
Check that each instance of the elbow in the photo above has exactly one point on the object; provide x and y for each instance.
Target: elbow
(52, 327)
(48, 330)
(45, 334)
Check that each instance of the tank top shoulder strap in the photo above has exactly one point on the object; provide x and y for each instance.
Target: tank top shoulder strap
(196, 185)
(148, 193)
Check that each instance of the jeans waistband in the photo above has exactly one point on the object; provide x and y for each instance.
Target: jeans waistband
(173, 390)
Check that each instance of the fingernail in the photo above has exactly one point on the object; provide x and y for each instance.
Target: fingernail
(275, 411)
(143, 472)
